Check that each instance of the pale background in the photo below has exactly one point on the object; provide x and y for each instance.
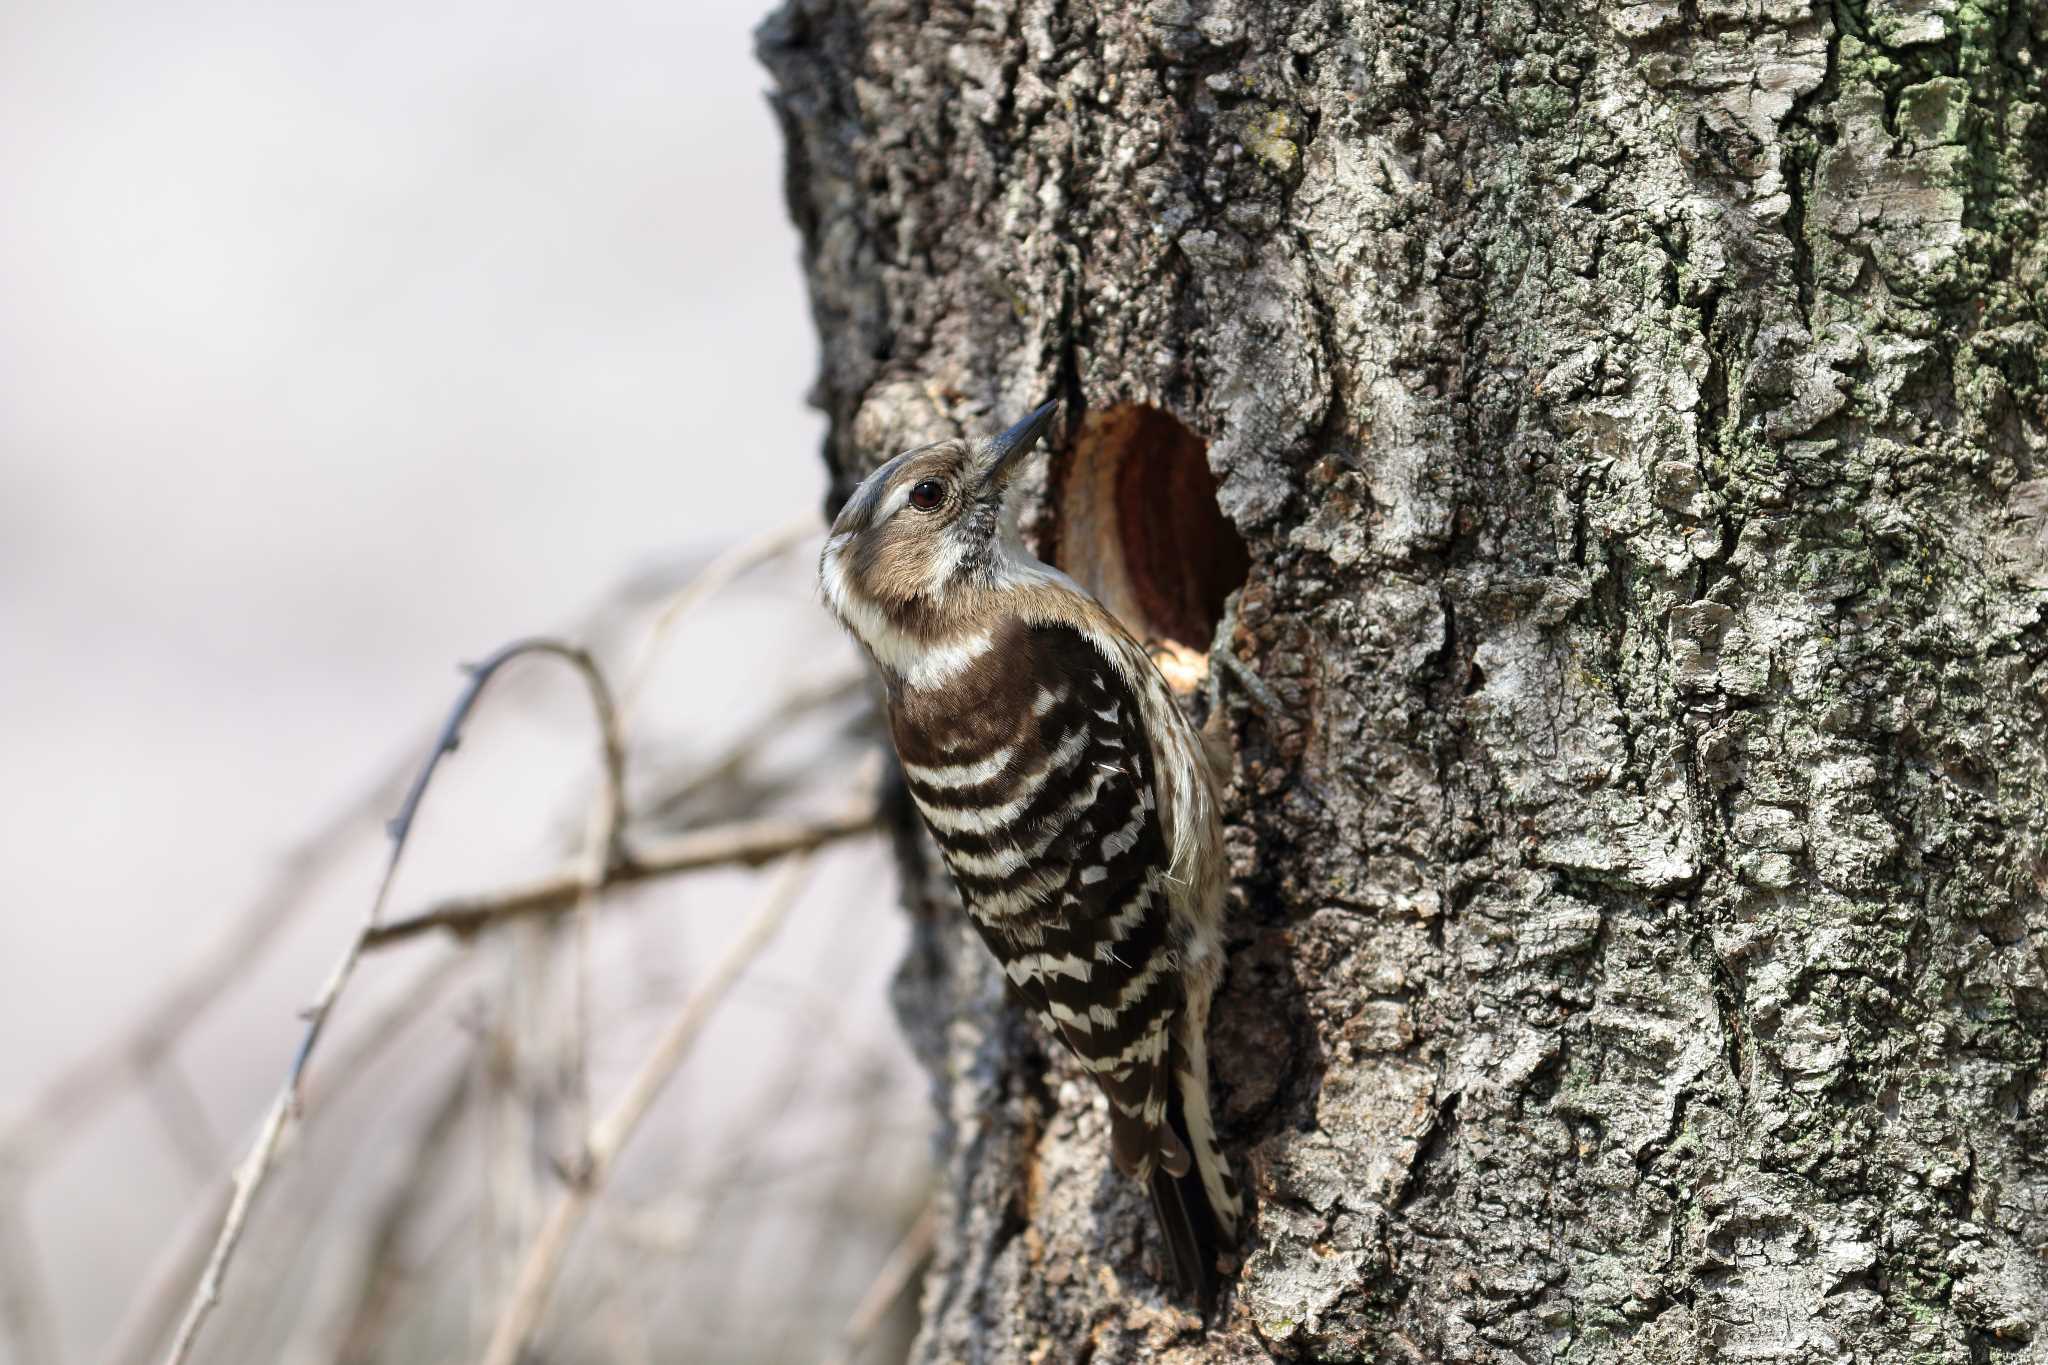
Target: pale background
(340, 343)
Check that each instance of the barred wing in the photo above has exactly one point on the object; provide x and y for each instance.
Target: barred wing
(1052, 831)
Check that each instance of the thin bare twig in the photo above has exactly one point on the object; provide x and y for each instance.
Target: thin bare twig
(745, 843)
(256, 1165)
(141, 1049)
(742, 1169)
(888, 1286)
(400, 827)
(747, 1175)
(712, 579)
(739, 1168)
(544, 1257)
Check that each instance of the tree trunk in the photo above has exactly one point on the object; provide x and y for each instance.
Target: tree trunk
(1636, 419)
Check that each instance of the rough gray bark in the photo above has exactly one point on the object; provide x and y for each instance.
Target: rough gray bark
(1637, 418)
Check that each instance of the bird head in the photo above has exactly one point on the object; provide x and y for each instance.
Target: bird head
(923, 532)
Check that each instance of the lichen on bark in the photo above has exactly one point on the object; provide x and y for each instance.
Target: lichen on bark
(1636, 416)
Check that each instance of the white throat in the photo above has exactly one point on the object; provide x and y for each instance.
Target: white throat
(918, 663)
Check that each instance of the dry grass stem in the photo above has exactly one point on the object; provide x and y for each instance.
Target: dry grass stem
(889, 1283)
(543, 1262)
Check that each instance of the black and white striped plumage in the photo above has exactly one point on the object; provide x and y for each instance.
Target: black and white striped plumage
(1069, 796)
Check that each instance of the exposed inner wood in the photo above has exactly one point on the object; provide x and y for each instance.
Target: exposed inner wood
(1139, 527)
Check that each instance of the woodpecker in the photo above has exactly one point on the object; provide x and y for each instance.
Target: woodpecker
(1072, 801)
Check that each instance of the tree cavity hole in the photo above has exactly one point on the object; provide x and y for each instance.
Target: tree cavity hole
(1140, 528)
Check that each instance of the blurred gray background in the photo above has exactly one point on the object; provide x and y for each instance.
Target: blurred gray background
(340, 343)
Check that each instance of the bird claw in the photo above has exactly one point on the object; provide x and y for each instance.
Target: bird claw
(1222, 659)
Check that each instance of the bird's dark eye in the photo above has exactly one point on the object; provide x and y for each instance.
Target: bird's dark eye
(927, 494)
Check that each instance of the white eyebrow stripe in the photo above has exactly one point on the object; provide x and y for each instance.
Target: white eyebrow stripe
(893, 503)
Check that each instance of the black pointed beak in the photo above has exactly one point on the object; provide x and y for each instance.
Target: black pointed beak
(1007, 451)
